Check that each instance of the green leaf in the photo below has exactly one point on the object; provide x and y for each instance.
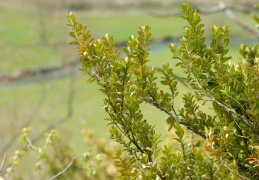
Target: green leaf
(73, 42)
(250, 112)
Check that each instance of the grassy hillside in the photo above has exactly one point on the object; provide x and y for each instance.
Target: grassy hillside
(30, 39)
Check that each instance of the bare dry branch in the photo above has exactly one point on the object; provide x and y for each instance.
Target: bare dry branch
(222, 7)
(68, 166)
(72, 163)
(241, 23)
(3, 162)
(36, 110)
(212, 10)
(69, 114)
(164, 15)
(32, 115)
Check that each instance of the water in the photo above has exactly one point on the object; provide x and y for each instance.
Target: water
(68, 71)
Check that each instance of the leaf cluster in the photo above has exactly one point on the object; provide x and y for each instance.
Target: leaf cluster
(230, 133)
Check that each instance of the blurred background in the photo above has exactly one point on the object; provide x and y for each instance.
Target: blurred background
(40, 84)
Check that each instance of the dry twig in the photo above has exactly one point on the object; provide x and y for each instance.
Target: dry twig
(221, 7)
(3, 162)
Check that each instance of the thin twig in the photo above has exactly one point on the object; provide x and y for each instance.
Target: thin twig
(38, 167)
(231, 169)
(74, 164)
(222, 162)
(159, 69)
(174, 117)
(3, 162)
(140, 165)
(240, 105)
(241, 136)
(250, 124)
(31, 145)
(68, 166)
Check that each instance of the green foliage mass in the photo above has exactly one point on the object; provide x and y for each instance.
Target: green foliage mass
(226, 140)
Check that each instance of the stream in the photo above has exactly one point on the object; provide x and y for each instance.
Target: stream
(71, 68)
